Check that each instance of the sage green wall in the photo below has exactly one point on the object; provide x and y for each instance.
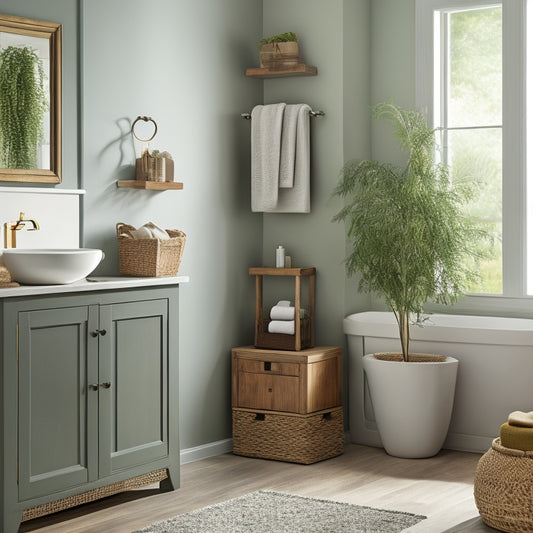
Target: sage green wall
(66, 13)
(334, 36)
(392, 59)
(182, 63)
(392, 56)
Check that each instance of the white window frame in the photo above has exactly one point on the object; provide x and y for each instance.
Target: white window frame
(514, 297)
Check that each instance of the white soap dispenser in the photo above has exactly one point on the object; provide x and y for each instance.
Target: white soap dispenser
(280, 257)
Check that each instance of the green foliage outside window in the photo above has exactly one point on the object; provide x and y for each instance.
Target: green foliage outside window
(475, 155)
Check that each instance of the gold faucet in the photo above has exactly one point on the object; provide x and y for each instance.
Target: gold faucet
(10, 237)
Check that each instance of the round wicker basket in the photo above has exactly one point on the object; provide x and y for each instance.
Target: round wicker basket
(503, 488)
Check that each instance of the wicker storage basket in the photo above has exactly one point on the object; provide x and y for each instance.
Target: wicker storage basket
(149, 257)
(288, 437)
(503, 488)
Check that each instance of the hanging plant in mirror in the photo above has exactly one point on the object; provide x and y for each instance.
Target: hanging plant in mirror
(23, 103)
(30, 100)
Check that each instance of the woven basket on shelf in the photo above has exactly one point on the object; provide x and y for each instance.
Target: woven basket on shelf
(503, 489)
(149, 257)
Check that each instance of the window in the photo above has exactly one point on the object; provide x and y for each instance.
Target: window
(471, 79)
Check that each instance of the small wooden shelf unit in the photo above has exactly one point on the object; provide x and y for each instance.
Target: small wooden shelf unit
(304, 328)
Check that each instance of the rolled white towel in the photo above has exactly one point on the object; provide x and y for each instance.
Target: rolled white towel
(150, 231)
(142, 233)
(281, 326)
(284, 303)
(282, 312)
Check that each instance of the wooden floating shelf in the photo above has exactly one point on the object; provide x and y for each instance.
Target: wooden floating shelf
(299, 70)
(150, 185)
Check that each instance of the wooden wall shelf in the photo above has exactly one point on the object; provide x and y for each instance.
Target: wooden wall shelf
(150, 185)
(299, 70)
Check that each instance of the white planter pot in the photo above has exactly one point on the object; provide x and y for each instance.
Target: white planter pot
(412, 403)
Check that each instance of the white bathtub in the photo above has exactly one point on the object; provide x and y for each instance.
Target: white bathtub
(495, 373)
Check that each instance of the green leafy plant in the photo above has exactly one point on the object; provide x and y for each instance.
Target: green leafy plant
(408, 231)
(22, 106)
(281, 38)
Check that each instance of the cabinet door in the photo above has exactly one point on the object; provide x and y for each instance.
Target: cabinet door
(57, 434)
(133, 381)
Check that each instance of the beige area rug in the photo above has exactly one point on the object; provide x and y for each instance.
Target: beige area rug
(276, 512)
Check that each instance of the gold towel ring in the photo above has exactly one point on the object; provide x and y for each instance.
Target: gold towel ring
(146, 119)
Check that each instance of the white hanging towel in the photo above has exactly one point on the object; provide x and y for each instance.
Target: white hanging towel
(297, 199)
(266, 126)
(288, 147)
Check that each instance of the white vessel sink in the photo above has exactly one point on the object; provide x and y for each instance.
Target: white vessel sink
(52, 266)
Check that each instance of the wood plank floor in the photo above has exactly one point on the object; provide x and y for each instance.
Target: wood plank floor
(440, 488)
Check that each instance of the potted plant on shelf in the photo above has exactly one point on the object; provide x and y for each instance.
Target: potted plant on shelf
(409, 241)
(22, 106)
(279, 51)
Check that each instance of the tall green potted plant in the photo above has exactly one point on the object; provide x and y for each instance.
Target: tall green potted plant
(409, 240)
(22, 106)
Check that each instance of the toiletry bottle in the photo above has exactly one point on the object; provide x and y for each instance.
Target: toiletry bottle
(280, 256)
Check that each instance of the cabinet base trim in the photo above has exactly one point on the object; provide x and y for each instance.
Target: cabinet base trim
(94, 494)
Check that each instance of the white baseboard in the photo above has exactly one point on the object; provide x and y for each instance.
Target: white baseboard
(189, 455)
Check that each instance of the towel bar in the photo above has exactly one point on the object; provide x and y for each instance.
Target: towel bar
(248, 116)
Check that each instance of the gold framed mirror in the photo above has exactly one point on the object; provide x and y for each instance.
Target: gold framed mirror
(30, 100)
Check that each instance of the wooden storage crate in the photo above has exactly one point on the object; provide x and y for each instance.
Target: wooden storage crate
(299, 382)
(288, 437)
(304, 330)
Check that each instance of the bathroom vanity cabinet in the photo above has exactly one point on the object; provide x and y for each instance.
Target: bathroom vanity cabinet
(90, 396)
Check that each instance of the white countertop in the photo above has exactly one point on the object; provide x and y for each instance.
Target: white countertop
(92, 283)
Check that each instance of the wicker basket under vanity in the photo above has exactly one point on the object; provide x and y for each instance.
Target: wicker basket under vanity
(149, 257)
